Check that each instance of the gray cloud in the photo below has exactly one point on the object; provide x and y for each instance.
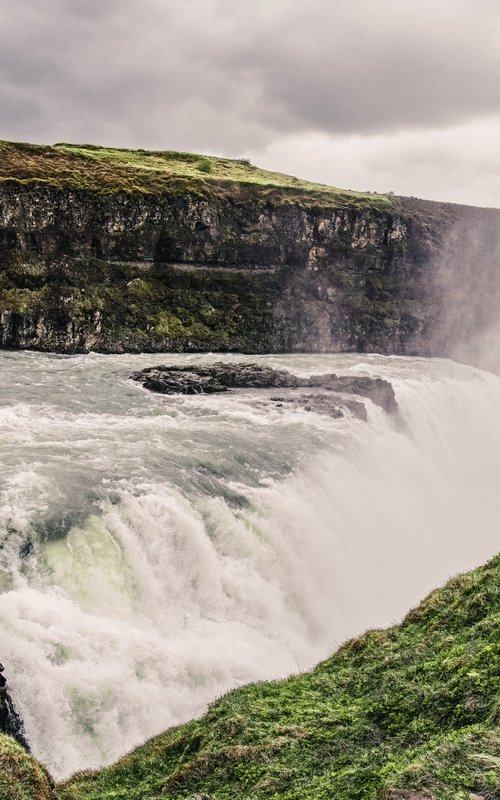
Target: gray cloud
(459, 164)
(373, 65)
(233, 77)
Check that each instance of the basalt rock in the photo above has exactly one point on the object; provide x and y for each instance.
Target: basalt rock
(378, 390)
(221, 377)
(211, 378)
(11, 721)
(327, 403)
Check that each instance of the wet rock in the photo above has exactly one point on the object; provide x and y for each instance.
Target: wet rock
(378, 390)
(211, 378)
(328, 403)
(11, 721)
(221, 377)
(189, 382)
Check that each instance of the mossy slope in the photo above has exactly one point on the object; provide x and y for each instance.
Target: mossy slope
(21, 776)
(107, 170)
(413, 707)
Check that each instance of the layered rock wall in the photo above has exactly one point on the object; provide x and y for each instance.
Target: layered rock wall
(130, 271)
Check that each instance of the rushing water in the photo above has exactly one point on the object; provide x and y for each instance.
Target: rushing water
(157, 551)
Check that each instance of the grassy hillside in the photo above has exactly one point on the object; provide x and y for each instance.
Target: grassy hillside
(21, 776)
(413, 707)
(105, 170)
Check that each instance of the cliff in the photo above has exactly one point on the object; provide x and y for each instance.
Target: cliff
(115, 250)
(408, 713)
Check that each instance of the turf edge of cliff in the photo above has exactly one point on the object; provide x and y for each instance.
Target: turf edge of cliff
(412, 708)
(106, 170)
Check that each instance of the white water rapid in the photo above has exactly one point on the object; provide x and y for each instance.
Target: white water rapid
(157, 551)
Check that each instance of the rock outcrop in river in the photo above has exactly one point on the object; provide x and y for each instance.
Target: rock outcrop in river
(221, 377)
(119, 251)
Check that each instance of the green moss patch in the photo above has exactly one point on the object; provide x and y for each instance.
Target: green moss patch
(121, 309)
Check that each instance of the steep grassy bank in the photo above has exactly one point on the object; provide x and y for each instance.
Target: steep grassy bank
(21, 776)
(415, 707)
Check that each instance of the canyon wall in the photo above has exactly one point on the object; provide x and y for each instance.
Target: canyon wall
(133, 271)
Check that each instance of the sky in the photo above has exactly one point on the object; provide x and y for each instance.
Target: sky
(378, 95)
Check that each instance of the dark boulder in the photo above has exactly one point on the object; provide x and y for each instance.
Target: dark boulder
(221, 377)
(211, 378)
(11, 721)
(13, 724)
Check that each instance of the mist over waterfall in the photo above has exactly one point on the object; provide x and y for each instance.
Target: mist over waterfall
(465, 288)
(159, 551)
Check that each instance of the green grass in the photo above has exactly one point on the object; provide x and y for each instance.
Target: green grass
(415, 707)
(108, 170)
(21, 776)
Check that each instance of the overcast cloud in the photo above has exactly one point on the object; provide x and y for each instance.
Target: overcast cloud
(400, 95)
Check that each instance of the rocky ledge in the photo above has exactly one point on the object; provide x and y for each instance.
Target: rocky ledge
(221, 377)
(11, 722)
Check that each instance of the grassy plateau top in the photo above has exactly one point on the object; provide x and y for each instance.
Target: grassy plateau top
(109, 170)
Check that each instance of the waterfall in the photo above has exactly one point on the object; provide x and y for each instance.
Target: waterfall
(159, 551)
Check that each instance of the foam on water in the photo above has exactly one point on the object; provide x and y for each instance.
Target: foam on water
(158, 551)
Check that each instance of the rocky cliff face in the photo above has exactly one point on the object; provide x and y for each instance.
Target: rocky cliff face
(132, 271)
